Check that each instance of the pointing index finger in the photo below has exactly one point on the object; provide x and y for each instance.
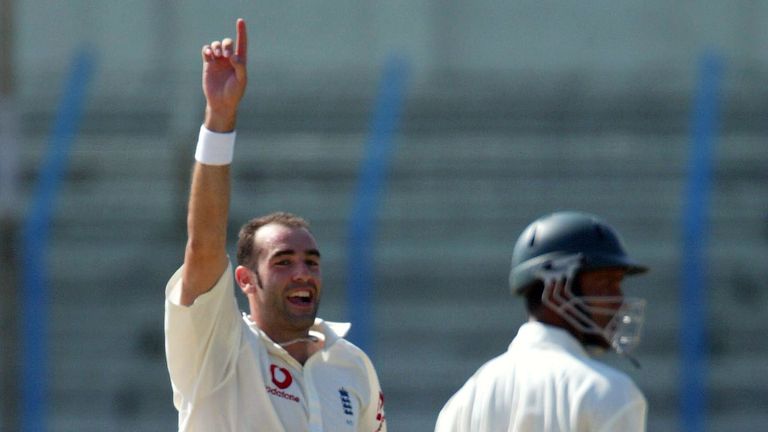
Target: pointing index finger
(241, 46)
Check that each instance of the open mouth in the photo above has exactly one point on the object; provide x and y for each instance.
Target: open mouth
(301, 298)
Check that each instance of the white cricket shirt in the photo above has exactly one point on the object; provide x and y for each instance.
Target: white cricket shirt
(545, 381)
(227, 375)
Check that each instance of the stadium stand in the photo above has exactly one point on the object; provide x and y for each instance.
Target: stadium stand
(469, 173)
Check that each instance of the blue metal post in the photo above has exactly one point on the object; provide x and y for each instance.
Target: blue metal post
(34, 243)
(362, 228)
(693, 330)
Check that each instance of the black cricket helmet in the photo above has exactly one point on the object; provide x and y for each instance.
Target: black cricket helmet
(553, 250)
(563, 234)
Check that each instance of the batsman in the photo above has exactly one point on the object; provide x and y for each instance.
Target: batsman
(568, 267)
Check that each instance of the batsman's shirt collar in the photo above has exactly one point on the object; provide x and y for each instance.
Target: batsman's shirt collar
(534, 333)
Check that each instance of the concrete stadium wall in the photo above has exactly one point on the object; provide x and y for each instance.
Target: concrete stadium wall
(146, 44)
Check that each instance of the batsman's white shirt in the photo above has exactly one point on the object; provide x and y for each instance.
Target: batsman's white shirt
(227, 375)
(545, 381)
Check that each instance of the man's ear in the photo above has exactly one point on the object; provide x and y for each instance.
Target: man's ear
(246, 279)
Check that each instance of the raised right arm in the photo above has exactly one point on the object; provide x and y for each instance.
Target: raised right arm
(224, 82)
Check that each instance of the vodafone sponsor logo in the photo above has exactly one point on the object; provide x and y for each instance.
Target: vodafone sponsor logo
(282, 379)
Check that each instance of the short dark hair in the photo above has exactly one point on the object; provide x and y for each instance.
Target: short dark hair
(245, 243)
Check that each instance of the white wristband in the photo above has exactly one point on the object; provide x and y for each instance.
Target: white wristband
(215, 148)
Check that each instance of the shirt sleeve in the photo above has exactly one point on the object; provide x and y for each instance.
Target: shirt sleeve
(373, 418)
(456, 414)
(201, 340)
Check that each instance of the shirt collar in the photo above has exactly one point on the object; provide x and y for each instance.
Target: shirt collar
(329, 330)
(540, 335)
(332, 331)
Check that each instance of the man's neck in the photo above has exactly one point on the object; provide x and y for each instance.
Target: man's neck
(303, 349)
(300, 345)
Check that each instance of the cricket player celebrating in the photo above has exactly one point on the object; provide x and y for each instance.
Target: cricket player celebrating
(278, 368)
(569, 267)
